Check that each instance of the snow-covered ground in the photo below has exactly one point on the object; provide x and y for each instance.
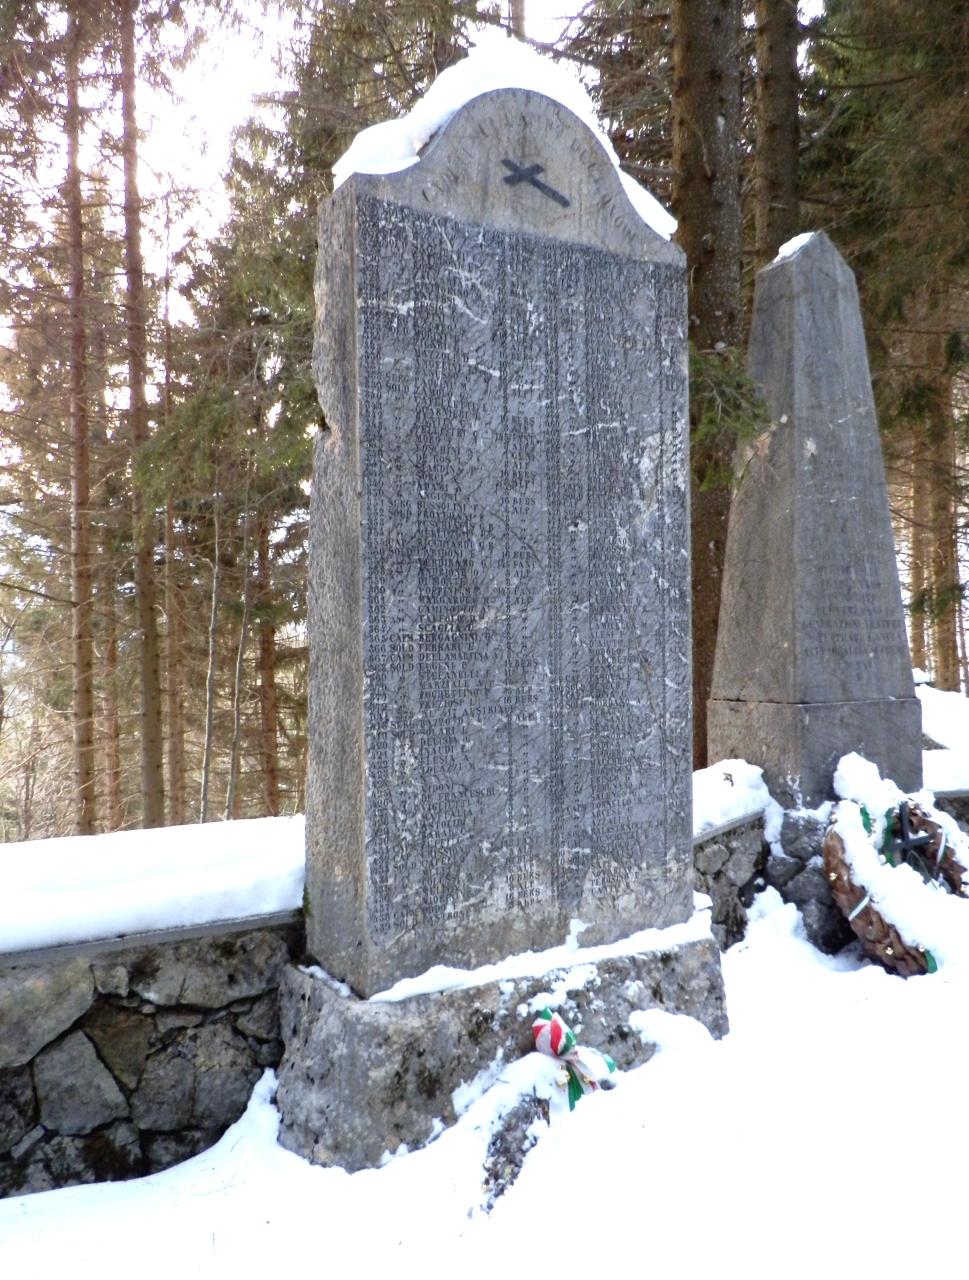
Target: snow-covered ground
(731, 790)
(825, 1136)
(945, 719)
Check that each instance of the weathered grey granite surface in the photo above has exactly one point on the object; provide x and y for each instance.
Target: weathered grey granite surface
(812, 658)
(499, 555)
(358, 1078)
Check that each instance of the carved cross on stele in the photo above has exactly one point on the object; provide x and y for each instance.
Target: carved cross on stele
(518, 173)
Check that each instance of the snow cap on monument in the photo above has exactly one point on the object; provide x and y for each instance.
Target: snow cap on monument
(812, 656)
(493, 63)
(499, 715)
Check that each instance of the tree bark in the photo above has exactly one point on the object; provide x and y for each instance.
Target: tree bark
(29, 778)
(945, 568)
(918, 578)
(85, 808)
(150, 719)
(112, 724)
(175, 629)
(174, 650)
(267, 676)
(231, 795)
(210, 670)
(517, 14)
(778, 86)
(706, 200)
(938, 476)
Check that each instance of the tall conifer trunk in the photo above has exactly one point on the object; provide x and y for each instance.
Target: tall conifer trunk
(174, 650)
(778, 83)
(918, 579)
(112, 722)
(945, 566)
(706, 200)
(232, 800)
(175, 630)
(210, 668)
(267, 674)
(85, 814)
(937, 470)
(150, 720)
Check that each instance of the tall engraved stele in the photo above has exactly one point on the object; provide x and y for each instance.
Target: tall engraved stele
(500, 721)
(812, 657)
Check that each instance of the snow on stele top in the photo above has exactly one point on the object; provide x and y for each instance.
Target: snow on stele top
(494, 62)
(790, 247)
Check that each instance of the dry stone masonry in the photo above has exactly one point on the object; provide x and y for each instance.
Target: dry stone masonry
(499, 620)
(728, 865)
(812, 657)
(122, 1063)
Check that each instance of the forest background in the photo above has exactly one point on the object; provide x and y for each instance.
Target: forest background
(157, 424)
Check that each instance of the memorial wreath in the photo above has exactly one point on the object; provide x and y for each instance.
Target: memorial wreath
(911, 838)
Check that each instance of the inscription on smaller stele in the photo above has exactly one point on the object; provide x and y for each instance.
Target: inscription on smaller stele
(812, 655)
(500, 731)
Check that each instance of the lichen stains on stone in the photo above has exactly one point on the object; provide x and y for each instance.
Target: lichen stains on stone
(480, 1023)
(428, 1082)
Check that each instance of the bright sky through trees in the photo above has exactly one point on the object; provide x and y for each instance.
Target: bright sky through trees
(187, 142)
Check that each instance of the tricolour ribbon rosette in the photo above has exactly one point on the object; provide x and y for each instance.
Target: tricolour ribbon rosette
(586, 1069)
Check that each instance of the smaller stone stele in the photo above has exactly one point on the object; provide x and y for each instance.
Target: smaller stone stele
(812, 657)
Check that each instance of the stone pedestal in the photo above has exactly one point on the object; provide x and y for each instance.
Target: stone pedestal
(812, 656)
(798, 745)
(360, 1077)
(499, 700)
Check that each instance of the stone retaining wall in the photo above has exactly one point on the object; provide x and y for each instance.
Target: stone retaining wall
(116, 1064)
(956, 805)
(728, 864)
(734, 863)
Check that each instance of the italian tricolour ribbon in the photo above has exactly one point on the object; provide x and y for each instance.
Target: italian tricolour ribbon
(586, 1069)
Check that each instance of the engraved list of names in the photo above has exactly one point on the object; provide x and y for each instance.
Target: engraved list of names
(525, 601)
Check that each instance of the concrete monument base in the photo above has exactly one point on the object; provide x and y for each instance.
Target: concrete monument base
(798, 745)
(360, 1077)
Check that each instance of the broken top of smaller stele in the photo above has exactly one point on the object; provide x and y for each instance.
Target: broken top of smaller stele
(500, 730)
(812, 656)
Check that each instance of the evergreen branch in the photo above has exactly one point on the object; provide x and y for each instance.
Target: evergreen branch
(32, 591)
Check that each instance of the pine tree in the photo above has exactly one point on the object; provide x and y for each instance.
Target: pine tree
(887, 173)
(778, 126)
(707, 114)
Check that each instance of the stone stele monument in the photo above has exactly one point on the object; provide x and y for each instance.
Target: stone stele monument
(812, 656)
(499, 556)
